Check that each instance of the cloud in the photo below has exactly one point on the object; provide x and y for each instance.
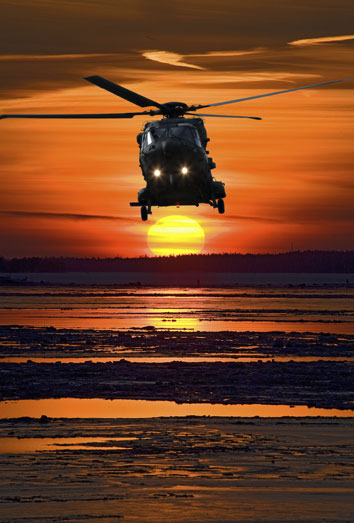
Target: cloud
(243, 218)
(243, 79)
(228, 53)
(253, 219)
(321, 40)
(25, 75)
(52, 57)
(62, 216)
(166, 57)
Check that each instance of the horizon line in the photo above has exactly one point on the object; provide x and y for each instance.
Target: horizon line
(175, 256)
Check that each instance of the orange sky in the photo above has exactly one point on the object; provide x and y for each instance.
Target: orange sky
(66, 185)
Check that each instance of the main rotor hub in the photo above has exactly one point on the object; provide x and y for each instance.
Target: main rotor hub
(174, 109)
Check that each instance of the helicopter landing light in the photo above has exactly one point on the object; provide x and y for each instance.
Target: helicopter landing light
(184, 170)
(157, 172)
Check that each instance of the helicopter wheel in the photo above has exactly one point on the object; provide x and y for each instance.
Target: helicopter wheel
(221, 206)
(144, 213)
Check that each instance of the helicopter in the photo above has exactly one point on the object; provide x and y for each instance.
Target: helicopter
(173, 153)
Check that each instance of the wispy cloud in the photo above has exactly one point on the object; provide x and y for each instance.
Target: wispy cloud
(228, 53)
(166, 57)
(321, 40)
(260, 219)
(62, 216)
(52, 57)
(227, 81)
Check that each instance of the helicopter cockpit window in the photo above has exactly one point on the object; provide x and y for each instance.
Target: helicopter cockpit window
(155, 134)
(185, 132)
(149, 138)
(159, 132)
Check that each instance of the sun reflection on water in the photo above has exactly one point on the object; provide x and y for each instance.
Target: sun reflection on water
(170, 319)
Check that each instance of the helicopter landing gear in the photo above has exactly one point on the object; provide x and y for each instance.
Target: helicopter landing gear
(144, 213)
(221, 206)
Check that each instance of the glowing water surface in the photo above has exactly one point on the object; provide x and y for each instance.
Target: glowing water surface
(314, 309)
(26, 445)
(100, 408)
(170, 359)
(79, 320)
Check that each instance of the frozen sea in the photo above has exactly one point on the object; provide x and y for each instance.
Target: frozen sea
(206, 302)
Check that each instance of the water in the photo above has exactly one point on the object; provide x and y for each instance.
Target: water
(101, 408)
(327, 308)
(27, 445)
(179, 454)
(188, 278)
(251, 306)
(170, 359)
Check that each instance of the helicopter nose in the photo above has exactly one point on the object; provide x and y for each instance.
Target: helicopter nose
(170, 148)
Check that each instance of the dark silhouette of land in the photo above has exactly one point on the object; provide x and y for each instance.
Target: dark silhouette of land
(290, 262)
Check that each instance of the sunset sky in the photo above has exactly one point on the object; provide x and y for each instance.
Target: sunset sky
(66, 185)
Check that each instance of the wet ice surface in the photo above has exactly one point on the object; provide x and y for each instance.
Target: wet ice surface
(50, 342)
(316, 309)
(322, 384)
(309, 369)
(25, 445)
(271, 348)
(182, 469)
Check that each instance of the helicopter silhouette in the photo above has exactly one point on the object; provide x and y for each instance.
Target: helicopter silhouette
(173, 150)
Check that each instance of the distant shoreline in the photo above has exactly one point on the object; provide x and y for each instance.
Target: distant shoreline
(298, 262)
(178, 279)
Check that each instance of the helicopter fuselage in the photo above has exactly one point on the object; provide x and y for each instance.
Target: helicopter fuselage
(175, 164)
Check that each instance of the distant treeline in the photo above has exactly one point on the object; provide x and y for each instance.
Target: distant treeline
(299, 261)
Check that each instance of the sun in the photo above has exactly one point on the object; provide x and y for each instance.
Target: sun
(172, 235)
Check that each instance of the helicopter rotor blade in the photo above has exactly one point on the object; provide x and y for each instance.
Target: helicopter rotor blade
(118, 90)
(74, 116)
(196, 108)
(226, 116)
